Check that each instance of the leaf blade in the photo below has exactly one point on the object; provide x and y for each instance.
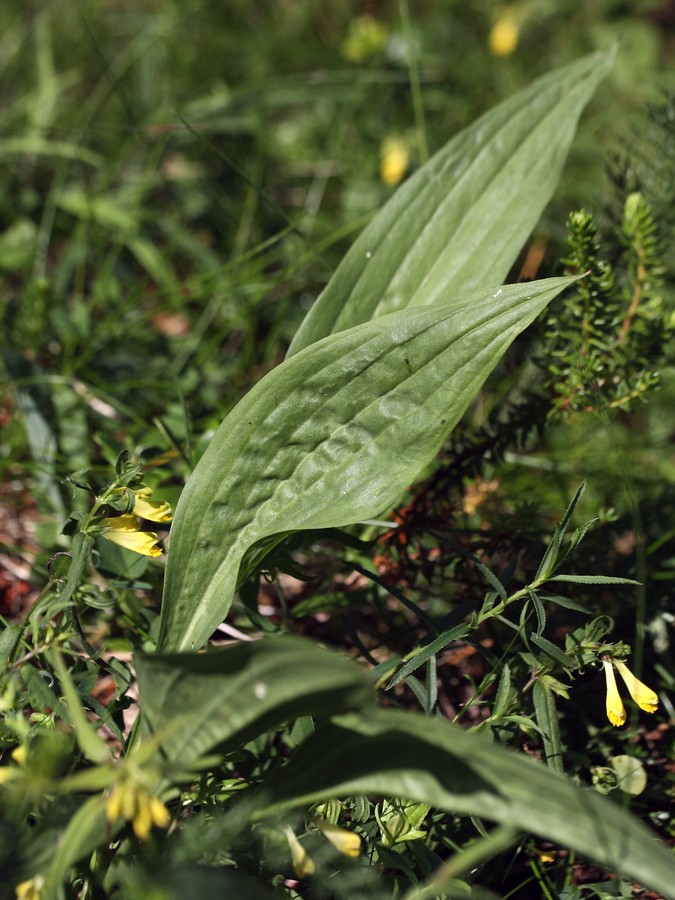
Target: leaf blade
(311, 445)
(426, 760)
(487, 187)
(194, 703)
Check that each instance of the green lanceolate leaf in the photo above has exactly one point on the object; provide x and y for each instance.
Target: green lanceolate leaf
(593, 579)
(194, 703)
(397, 754)
(486, 188)
(547, 720)
(331, 437)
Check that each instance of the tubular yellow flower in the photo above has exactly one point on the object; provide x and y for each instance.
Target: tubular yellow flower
(302, 862)
(123, 530)
(615, 709)
(20, 754)
(152, 510)
(121, 801)
(136, 804)
(347, 842)
(142, 821)
(31, 889)
(503, 38)
(394, 160)
(159, 813)
(644, 696)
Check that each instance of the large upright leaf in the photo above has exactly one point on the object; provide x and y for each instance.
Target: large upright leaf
(330, 437)
(391, 753)
(459, 223)
(195, 702)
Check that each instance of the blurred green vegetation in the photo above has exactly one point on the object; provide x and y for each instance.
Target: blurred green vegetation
(179, 179)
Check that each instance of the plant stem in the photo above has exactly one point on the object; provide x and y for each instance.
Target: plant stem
(418, 106)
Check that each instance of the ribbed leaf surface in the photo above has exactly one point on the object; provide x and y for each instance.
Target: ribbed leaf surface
(196, 702)
(331, 437)
(399, 754)
(458, 224)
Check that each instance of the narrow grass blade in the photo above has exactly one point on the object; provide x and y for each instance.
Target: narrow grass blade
(459, 223)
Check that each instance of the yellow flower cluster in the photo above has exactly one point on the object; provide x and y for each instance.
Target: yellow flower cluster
(134, 803)
(125, 530)
(644, 696)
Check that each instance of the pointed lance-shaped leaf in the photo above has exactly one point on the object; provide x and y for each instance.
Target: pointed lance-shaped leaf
(331, 437)
(487, 187)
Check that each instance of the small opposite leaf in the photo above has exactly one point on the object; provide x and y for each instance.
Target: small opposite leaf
(550, 648)
(593, 579)
(331, 437)
(503, 695)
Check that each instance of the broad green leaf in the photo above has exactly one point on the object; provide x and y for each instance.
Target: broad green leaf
(397, 754)
(332, 437)
(458, 224)
(196, 702)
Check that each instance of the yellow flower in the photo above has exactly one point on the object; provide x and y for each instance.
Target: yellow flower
(31, 889)
(347, 842)
(394, 160)
(136, 804)
(152, 510)
(503, 38)
(124, 530)
(8, 773)
(366, 38)
(615, 709)
(20, 754)
(644, 696)
(145, 508)
(302, 862)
